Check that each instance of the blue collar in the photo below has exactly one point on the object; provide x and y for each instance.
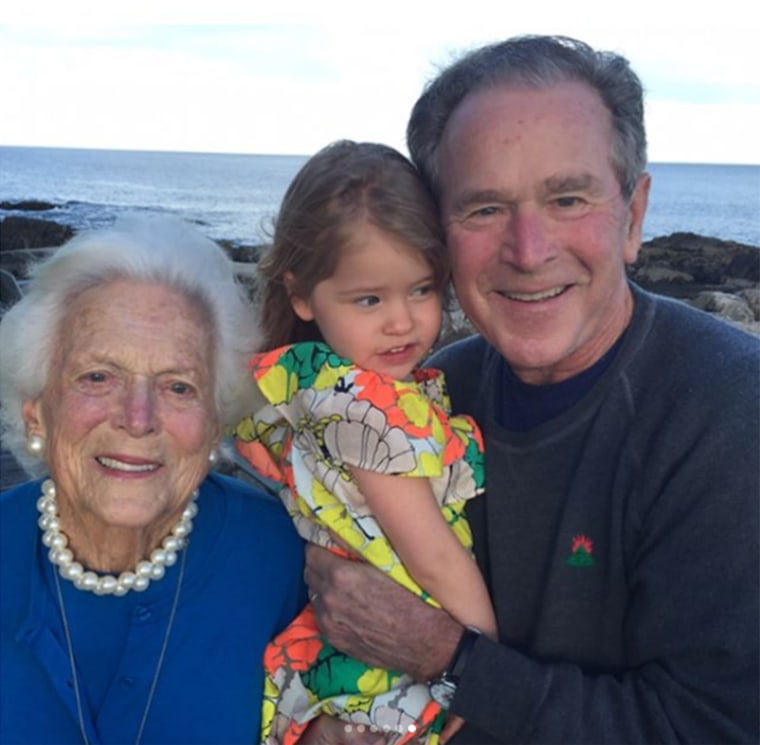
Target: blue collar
(525, 406)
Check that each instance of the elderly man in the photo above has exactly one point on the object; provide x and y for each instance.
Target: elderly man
(619, 532)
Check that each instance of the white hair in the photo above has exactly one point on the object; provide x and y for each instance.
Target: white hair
(151, 249)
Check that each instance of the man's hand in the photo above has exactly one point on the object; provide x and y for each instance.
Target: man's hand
(372, 618)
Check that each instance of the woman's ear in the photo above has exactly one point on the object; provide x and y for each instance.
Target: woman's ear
(31, 411)
(301, 306)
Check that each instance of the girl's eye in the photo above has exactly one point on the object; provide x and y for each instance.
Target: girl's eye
(423, 290)
(368, 301)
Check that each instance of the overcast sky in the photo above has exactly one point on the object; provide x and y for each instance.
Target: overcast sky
(168, 75)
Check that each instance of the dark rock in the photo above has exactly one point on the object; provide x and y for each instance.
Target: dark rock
(720, 277)
(28, 232)
(10, 292)
(728, 306)
(28, 205)
(752, 298)
(746, 265)
(247, 254)
(685, 264)
(242, 253)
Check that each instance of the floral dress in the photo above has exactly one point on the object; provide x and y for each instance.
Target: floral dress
(324, 415)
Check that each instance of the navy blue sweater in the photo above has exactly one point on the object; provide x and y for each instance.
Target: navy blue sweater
(619, 541)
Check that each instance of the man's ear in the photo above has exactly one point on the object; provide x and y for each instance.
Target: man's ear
(301, 306)
(637, 208)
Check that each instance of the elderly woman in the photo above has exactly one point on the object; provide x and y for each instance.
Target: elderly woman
(137, 590)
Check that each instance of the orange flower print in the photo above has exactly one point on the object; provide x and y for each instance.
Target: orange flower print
(297, 647)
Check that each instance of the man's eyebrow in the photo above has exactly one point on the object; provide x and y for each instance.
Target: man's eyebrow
(574, 182)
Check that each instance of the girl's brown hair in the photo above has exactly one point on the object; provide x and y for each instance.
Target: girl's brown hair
(342, 185)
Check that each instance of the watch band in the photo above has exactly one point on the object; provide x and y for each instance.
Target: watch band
(443, 689)
(462, 653)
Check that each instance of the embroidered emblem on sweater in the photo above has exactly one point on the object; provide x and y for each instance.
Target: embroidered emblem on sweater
(581, 549)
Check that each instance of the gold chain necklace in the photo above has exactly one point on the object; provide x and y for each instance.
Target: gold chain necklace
(159, 664)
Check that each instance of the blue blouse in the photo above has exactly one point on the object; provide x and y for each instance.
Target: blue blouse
(243, 584)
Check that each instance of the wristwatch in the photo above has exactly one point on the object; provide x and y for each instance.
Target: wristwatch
(442, 689)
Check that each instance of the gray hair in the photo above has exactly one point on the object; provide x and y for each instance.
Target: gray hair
(534, 62)
(151, 249)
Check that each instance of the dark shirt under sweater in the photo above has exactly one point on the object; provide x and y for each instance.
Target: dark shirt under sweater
(619, 541)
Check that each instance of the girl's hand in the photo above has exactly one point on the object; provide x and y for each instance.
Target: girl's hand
(452, 726)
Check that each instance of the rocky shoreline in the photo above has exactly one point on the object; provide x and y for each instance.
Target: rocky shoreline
(720, 277)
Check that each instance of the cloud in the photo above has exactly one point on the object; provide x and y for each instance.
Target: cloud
(680, 132)
(289, 77)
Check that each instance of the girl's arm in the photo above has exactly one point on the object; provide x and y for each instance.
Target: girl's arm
(410, 517)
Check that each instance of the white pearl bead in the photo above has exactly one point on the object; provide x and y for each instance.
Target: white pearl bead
(72, 571)
(141, 583)
(171, 558)
(58, 540)
(143, 569)
(157, 572)
(62, 556)
(181, 530)
(89, 580)
(108, 584)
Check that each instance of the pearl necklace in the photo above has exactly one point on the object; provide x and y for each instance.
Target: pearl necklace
(138, 579)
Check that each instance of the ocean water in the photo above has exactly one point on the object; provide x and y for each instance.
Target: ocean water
(722, 201)
(231, 197)
(235, 197)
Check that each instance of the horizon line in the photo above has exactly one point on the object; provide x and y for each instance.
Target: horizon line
(304, 155)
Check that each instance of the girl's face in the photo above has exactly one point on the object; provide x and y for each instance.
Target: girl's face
(380, 308)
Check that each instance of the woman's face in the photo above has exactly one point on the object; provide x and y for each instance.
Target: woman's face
(128, 412)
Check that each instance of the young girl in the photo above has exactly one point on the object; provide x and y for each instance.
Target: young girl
(351, 297)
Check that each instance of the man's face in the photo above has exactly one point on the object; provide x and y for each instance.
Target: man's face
(538, 229)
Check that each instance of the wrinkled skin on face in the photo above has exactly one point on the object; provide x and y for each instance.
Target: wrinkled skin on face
(128, 417)
(539, 231)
